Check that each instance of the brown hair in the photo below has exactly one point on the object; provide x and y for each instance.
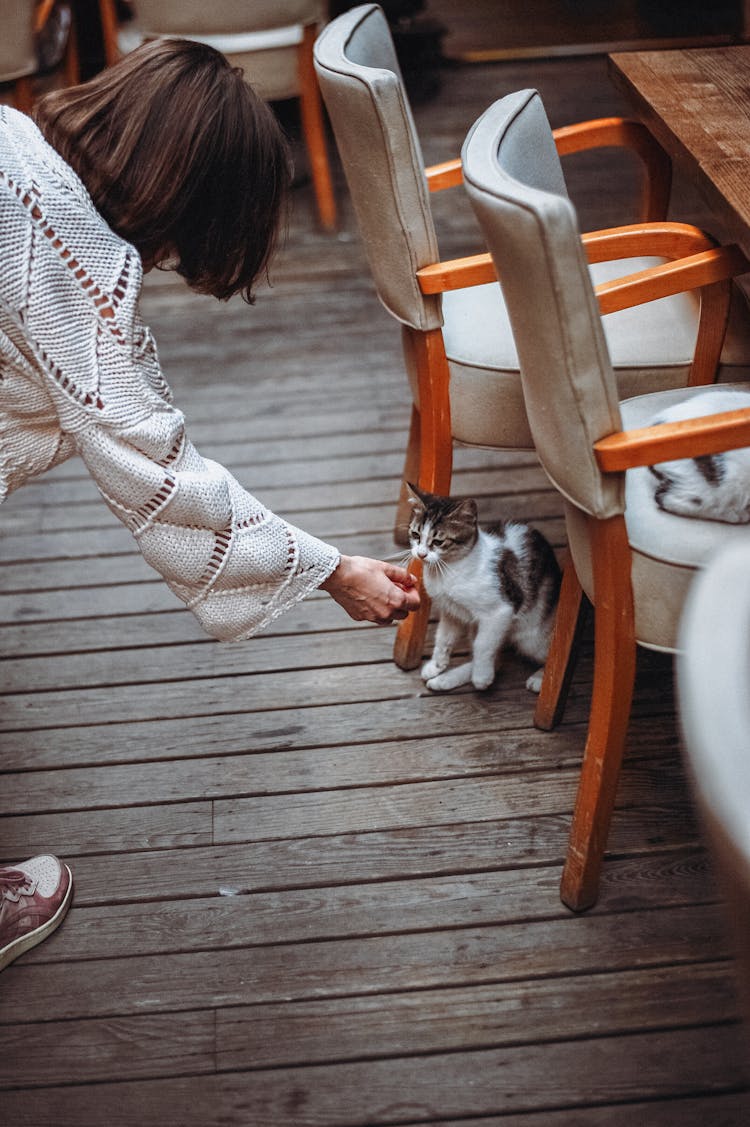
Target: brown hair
(182, 158)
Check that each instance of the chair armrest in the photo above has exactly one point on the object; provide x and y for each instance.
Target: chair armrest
(691, 438)
(445, 175)
(654, 239)
(693, 272)
(660, 240)
(624, 133)
(710, 271)
(456, 274)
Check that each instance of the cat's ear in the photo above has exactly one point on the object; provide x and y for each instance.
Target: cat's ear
(467, 510)
(417, 496)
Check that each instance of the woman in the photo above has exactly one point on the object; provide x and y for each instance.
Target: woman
(167, 159)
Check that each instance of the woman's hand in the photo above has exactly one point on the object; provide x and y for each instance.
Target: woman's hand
(372, 591)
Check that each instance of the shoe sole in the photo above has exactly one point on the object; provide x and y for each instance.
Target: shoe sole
(26, 942)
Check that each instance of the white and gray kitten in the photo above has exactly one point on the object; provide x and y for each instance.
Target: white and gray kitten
(713, 486)
(500, 585)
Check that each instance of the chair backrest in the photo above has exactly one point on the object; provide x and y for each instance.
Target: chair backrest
(713, 680)
(364, 93)
(17, 49)
(220, 17)
(515, 184)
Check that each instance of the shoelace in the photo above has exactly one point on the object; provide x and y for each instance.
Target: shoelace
(14, 883)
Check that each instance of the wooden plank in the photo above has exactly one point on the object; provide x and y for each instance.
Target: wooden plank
(426, 1021)
(203, 696)
(720, 1109)
(132, 828)
(443, 802)
(175, 980)
(265, 474)
(69, 498)
(240, 918)
(419, 759)
(505, 709)
(417, 1089)
(127, 667)
(338, 859)
(283, 1034)
(168, 627)
(113, 1048)
(321, 814)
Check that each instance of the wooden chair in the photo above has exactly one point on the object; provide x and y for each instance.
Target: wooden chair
(458, 347)
(21, 23)
(272, 40)
(633, 561)
(713, 681)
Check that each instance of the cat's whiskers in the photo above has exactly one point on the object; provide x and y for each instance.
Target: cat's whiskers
(444, 567)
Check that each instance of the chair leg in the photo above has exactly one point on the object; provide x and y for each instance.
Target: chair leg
(614, 673)
(435, 466)
(108, 21)
(313, 129)
(408, 648)
(712, 326)
(563, 651)
(411, 473)
(23, 94)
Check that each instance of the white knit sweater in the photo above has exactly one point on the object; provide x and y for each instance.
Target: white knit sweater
(79, 374)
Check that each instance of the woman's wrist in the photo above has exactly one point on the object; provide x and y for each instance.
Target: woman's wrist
(338, 575)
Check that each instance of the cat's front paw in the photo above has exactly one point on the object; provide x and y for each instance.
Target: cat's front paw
(450, 678)
(438, 684)
(431, 669)
(534, 682)
(482, 678)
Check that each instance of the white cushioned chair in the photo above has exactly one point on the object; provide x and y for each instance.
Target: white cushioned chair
(713, 681)
(458, 346)
(20, 23)
(634, 562)
(271, 40)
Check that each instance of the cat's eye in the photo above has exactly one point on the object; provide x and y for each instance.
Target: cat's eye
(438, 542)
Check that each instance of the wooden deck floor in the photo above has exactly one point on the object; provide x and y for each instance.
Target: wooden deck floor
(307, 893)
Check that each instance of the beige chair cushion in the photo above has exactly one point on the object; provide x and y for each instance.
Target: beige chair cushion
(262, 39)
(668, 550)
(198, 18)
(17, 50)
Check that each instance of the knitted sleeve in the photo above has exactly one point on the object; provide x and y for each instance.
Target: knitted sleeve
(234, 563)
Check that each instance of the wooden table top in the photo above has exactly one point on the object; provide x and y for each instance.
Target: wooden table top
(696, 102)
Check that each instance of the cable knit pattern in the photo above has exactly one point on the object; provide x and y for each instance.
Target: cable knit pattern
(79, 373)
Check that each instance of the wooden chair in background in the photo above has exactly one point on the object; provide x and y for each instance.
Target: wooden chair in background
(20, 24)
(634, 562)
(272, 40)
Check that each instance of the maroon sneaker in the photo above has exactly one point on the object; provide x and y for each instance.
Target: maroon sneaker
(34, 897)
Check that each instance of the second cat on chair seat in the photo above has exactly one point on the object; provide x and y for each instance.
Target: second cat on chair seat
(499, 586)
